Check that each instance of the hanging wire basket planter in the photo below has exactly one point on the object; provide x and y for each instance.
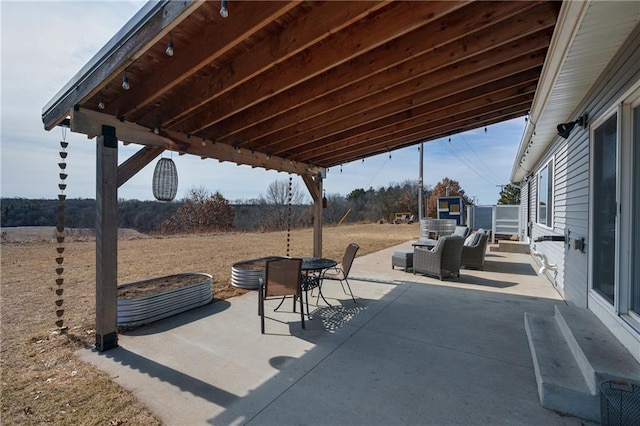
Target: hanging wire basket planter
(165, 180)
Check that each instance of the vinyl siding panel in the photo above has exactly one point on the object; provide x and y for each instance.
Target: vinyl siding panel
(572, 173)
(577, 218)
(524, 206)
(553, 250)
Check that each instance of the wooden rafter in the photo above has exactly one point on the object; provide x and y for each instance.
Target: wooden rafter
(317, 84)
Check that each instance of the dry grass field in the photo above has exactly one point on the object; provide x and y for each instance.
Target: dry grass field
(43, 381)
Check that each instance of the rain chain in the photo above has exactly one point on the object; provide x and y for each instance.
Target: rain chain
(60, 231)
(289, 218)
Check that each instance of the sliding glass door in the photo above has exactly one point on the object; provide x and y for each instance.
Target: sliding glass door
(635, 220)
(605, 179)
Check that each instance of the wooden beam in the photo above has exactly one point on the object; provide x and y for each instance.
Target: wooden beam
(413, 135)
(442, 123)
(106, 240)
(370, 122)
(214, 42)
(395, 88)
(412, 140)
(222, 152)
(314, 185)
(122, 50)
(393, 21)
(483, 74)
(420, 104)
(362, 74)
(134, 164)
(267, 55)
(90, 123)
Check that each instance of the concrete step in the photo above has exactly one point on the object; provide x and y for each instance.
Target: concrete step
(510, 247)
(599, 354)
(573, 354)
(561, 385)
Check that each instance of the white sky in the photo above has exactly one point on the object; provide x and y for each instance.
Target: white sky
(45, 43)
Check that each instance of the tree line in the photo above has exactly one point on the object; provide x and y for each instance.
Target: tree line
(281, 207)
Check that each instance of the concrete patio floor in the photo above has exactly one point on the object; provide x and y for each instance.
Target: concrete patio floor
(412, 350)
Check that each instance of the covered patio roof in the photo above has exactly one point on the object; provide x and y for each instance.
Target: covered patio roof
(303, 86)
(295, 87)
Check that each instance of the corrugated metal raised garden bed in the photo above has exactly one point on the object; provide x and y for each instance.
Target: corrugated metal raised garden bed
(146, 301)
(247, 274)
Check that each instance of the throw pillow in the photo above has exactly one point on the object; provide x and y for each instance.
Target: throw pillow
(470, 240)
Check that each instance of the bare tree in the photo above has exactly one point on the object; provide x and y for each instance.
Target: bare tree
(337, 207)
(277, 212)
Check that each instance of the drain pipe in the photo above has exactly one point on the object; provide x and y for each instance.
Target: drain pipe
(546, 266)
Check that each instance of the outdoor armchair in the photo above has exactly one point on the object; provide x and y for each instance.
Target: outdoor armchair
(282, 279)
(341, 271)
(473, 254)
(442, 261)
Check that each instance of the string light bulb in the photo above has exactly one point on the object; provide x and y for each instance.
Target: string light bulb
(224, 12)
(169, 50)
(125, 81)
(101, 103)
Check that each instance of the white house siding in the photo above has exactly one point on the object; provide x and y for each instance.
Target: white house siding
(553, 250)
(572, 172)
(576, 216)
(524, 207)
(533, 212)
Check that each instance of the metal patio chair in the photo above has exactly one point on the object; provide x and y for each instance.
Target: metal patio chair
(282, 279)
(341, 271)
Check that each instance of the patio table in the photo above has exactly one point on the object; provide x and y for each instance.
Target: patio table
(312, 278)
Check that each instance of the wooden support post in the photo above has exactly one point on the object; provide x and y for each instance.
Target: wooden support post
(107, 240)
(314, 185)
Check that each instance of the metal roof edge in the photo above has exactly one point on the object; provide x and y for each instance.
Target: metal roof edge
(131, 27)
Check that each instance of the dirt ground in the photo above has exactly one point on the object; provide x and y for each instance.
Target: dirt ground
(42, 380)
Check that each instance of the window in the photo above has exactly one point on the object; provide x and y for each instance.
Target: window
(545, 195)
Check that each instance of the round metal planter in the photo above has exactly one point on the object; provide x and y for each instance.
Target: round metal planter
(146, 309)
(247, 274)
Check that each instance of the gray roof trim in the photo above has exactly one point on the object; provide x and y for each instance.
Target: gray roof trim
(569, 19)
(587, 36)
